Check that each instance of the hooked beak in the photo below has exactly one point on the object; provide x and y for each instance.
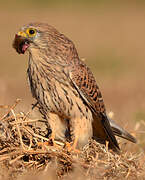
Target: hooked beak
(21, 44)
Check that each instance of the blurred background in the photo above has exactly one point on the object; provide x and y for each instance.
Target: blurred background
(109, 35)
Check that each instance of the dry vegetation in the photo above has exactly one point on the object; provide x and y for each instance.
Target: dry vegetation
(27, 152)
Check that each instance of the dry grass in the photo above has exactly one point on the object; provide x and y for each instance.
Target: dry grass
(24, 155)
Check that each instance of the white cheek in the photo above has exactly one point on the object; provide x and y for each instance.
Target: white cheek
(37, 35)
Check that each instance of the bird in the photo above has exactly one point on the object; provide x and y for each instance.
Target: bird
(65, 88)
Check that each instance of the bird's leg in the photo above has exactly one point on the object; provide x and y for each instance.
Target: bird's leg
(50, 142)
(68, 146)
(72, 146)
(52, 137)
(81, 132)
(58, 128)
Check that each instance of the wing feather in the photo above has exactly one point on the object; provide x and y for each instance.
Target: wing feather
(84, 82)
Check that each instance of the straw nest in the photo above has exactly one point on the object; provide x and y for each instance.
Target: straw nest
(26, 152)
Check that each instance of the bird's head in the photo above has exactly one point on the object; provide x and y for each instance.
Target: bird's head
(26, 38)
(42, 36)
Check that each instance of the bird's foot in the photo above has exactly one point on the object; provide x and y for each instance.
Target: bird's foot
(50, 142)
(71, 147)
(54, 143)
(43, 144)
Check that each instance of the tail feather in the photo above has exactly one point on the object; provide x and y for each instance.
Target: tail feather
(119, 131)
(103, 132)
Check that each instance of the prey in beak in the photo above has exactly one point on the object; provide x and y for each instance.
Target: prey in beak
(21, 44)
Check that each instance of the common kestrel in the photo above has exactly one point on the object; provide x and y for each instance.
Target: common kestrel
(65, 88)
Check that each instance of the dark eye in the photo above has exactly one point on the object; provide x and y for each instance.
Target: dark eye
(31, 31)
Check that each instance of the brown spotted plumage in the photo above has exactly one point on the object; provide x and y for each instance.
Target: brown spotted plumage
(64, 86)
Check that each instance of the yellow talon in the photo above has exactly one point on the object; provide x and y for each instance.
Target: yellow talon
(71, 147)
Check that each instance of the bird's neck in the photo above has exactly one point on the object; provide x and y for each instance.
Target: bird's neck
(54, 57)
(43, 64)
